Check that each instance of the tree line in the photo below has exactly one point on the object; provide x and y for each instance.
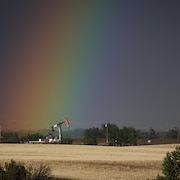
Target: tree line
(113, 134)
(14, 137)
(116, 135)
(125, 135)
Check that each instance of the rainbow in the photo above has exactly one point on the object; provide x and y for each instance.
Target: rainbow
(55, 54)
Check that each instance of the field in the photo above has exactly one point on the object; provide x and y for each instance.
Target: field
(91, 162)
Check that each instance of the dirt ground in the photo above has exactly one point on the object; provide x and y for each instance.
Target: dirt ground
(91, 162)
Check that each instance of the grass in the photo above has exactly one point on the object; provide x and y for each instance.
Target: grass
(91, 162)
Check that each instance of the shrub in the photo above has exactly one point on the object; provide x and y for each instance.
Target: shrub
(13, 171)
(1, 173)
(38, 172)
(160, 177)
(171, 166)
(17, 171)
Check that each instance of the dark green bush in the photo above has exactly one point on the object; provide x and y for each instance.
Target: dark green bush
(17, 171)
(1, 173)
(171, 166)
(14, 171)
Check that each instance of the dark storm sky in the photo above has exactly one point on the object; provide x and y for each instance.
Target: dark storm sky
(122, 58)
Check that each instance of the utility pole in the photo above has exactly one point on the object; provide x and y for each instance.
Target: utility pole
(106, 126)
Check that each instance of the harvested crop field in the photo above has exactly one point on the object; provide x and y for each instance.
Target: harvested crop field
(91, 162)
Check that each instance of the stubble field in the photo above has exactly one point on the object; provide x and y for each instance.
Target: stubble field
(91, 162)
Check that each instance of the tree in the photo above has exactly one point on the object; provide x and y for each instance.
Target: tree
(11, 137)
(91, 135)
(152, 133)
(31, 137)
(129, 136)
(142, 134)
(113, 133)
(124, 136)
(132, 136)
(171, 165)
(173, 133)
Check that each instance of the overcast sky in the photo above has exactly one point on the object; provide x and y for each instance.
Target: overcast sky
(91, 61)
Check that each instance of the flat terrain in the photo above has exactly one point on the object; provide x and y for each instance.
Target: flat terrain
(91, 162)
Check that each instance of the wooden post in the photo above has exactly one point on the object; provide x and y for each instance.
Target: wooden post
(106, 126)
